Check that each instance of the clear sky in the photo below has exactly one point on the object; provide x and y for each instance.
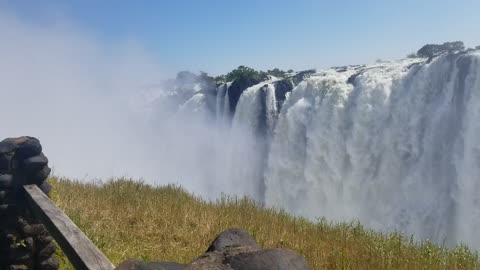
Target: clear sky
(218, 35)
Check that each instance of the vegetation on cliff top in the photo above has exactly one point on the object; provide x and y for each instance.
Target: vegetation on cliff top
(128, 219)
(244, 72)
(248, 73)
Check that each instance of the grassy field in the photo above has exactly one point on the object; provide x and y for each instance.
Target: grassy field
(128, 219)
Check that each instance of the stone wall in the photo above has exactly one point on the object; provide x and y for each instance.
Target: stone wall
(24, 242)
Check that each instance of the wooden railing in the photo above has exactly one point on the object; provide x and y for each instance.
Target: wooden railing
(78, 248)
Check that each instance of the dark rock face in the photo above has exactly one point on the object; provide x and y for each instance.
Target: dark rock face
(300, 76)
(236, 89)
(281, 89)
(262, 128)
(233, 249)
(351, 79)
(240, 84)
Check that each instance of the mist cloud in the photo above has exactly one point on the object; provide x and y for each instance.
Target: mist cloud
(60, 85)
(102, 111)
(82, 99)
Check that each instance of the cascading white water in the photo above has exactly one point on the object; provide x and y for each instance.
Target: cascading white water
(270, 109)
(253, 121)
(222, 106)
(467, 162)
(398, 150)
(256, 108)
(395, 145)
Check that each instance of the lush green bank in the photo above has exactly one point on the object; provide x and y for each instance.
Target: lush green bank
(128, 219)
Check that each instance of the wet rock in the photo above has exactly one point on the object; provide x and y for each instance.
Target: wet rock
(281, 89)
(237, 88)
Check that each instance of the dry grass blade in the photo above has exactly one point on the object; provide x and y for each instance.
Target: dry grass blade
(129, 219)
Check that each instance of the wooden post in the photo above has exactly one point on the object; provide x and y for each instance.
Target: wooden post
(80, 250)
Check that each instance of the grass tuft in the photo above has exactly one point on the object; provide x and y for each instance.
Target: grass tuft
(130, 219)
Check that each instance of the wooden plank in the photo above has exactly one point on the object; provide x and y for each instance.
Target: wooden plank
(80, 250)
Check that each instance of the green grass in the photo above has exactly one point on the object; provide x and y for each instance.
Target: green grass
(129, 219)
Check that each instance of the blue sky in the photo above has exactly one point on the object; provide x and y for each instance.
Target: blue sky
(219, 35)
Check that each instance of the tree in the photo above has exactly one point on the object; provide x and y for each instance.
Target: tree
(276, 72)
(221, 79)
(245, 72)
(432, 50)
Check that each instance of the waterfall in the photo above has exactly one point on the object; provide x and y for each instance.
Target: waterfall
(394, 145)
(222, 105)
(252, 125)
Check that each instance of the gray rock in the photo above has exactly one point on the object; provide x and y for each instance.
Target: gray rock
(268, 259)
(233, 249)
(236, 249)
(234, 237)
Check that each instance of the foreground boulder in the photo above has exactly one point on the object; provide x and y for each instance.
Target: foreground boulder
(233, 238)
(232, 249)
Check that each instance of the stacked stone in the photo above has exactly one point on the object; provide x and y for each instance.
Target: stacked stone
(233, 249)
(24, 242)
